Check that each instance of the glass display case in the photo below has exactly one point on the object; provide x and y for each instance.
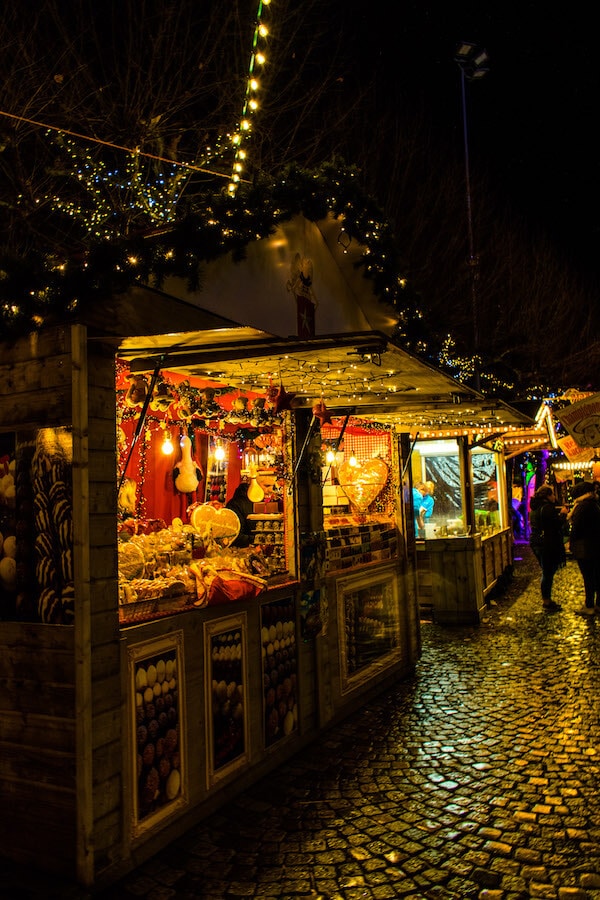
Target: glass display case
(442, 471)
(486, 471)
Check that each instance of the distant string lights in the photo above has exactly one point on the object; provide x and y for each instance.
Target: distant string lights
(158, 198)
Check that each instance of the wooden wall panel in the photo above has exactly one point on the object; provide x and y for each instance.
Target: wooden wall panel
(37, 735)
(37, 661)
(106, 739)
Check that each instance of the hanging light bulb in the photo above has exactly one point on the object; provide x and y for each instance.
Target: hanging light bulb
(330, 457)
(167, 445)
(219, 452)
(353, 460)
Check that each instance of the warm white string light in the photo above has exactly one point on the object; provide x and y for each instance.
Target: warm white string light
(241, 134)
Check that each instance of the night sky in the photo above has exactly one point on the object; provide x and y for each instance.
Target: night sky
(531, 120)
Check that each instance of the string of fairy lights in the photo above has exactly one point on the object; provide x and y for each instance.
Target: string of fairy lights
(109, 187)
(106, 188)
(241, 134)
(138, 185)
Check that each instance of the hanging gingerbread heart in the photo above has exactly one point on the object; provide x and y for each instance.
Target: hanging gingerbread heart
(363, 482)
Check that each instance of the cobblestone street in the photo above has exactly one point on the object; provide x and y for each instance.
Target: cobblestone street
(477, 779)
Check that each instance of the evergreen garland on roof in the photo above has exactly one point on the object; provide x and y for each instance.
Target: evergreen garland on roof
(41, 287)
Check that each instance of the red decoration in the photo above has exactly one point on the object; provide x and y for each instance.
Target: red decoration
(321, 412)
(283, 399)
(271, 392)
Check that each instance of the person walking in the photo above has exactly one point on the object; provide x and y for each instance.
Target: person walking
(547, 540)
(584, 543)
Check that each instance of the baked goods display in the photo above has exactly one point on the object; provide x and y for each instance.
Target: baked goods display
(185, 564)
(8, 540)
(157, 722)
(51, 478)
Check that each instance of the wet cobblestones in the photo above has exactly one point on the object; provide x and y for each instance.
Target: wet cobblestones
(476, 779)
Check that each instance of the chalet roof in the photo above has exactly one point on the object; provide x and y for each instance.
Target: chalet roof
(365, 372)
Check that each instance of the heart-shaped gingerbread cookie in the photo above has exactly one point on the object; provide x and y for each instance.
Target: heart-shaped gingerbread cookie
(363, 483)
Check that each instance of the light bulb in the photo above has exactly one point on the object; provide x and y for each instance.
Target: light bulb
(167, 444)
(219, 452)
(330, 457)
(353, 461)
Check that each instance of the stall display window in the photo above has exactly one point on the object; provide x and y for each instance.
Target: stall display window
(226, 662)
(369, 625)
(437, 465)
(185, 451)
(356, 473)
(279, 656)
(489, 513)
(157, 724)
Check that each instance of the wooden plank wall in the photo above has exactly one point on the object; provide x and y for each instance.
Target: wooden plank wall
(37, 663)
(60, 686)
(100, 642)
(455, 569)
(37, 741)
(497, 557)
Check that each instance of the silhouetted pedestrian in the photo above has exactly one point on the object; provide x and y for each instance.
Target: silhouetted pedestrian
(547, 540)
(584, 543)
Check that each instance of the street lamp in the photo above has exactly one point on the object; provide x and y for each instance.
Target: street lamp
(471, 61)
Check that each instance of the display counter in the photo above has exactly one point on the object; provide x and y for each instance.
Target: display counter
(455, 575)
(461, 526)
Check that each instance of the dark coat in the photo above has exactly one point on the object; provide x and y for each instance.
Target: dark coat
(242, 507)
(547, 528)
(585, 528)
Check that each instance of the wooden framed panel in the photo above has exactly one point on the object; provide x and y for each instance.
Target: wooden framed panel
(157, 706)
(279, 661)
(368, 625)
(226, 665)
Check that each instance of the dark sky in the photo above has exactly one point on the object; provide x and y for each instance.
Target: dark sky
(532, 119)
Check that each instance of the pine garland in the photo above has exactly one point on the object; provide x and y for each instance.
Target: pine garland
(42, 287)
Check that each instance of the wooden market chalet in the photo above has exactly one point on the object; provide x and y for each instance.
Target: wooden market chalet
(152, 663)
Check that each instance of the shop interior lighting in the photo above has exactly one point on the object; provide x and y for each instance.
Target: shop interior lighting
(167, 445)
(573, 466)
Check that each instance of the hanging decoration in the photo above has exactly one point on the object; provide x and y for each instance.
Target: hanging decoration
(283, 400)
(301, 285)
(187, 474)
(363, 482)
(138, 390)
(162, 397)
(321, 412)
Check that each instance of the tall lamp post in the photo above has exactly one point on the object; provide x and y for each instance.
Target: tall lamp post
(471, 61)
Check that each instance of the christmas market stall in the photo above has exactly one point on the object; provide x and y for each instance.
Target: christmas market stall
(464, 540)
(208, 549)
(559, 449)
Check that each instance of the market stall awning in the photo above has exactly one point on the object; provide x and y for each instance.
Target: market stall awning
(365, 372)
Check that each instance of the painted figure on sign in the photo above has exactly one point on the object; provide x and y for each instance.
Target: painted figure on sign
(300, 284)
